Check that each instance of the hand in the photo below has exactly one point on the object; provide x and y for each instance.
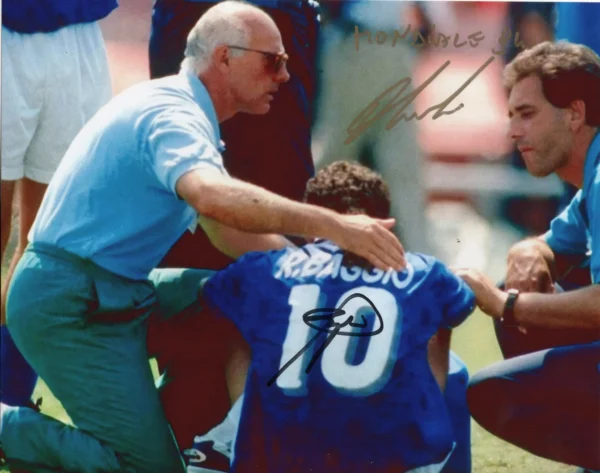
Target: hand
(529, 267)
(490, 299)
(371, 238)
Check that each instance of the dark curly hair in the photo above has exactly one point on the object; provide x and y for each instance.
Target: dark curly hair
(350, 188)
(568, 72)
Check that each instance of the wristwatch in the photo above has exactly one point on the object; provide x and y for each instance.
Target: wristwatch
(508, 315)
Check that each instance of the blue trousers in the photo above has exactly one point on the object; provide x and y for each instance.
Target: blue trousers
(83, 329)
(546, 402)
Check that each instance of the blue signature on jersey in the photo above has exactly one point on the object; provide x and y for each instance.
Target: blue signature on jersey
(333, 328)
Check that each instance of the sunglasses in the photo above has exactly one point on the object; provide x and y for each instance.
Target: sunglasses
(276, 61)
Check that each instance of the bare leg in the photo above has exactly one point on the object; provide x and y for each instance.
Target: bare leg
(6, 200)
(438, 355)
(18, 378)
(237, 367)
(30, 198)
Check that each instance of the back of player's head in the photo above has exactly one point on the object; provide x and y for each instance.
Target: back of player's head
(349, 188)
(568, 72)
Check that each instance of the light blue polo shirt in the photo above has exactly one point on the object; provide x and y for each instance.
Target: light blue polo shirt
(568, 231)
(112, 198)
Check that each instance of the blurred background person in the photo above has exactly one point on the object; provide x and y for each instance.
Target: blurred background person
(352, 76)
(55, 76)
(577, 22)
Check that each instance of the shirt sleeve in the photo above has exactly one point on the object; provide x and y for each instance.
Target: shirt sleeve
(234, 292)
(567, 232)
(455, 297)
(593, 203)
(179, 141)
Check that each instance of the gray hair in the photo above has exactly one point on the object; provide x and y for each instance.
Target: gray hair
(221, 24)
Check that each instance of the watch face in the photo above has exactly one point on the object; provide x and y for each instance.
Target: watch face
(513, 291)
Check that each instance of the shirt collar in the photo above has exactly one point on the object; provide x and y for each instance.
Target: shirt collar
(591, 162)
(202, 98)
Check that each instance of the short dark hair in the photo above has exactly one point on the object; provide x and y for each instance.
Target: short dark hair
(568, 72)
(350, 188)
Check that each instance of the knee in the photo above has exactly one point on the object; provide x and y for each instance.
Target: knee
(477, 392)
(488, 401)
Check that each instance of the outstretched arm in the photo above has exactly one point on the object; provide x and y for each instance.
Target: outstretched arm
(253, 209)
(234, 243)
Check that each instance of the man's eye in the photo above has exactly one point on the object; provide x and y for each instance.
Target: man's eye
(527, 114)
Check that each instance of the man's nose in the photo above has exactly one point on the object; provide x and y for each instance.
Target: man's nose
(282, 75)
(514, 131)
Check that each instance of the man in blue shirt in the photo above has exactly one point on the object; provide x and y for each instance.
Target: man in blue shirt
(547, 402)
(272, 151)
(54, 78)
(340, 379)
(149, 164)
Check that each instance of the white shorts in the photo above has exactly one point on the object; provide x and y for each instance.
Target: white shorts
(52, 84)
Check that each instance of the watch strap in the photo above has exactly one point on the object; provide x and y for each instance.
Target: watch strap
(508, 314)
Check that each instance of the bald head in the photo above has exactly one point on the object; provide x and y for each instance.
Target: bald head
(227, 23)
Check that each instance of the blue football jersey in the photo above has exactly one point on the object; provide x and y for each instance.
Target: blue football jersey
(339, 379)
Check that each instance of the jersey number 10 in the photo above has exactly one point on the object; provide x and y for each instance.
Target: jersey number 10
(361, 379)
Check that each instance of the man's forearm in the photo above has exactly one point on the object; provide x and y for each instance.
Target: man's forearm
(252, 209)
(234, 243)
(572, 309)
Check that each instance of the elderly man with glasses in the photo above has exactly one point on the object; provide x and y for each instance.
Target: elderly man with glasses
(271, 150)
(148, 164)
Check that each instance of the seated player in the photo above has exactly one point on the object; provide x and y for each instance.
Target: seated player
(340, 379)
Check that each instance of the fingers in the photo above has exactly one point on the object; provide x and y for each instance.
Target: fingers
(459, 271)
(387, 222)
(371, 239)
(376, 261)
(390, 249)
(541, 282)
(381, 259)
(383, 250)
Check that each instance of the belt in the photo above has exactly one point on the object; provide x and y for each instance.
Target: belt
(100, 275)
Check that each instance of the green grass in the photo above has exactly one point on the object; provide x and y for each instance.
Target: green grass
(475, 343)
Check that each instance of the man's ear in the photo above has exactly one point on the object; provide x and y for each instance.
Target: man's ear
(221, 56)
(577, 115)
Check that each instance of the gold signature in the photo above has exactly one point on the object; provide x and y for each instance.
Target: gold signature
(398, 103)
(441, 40)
